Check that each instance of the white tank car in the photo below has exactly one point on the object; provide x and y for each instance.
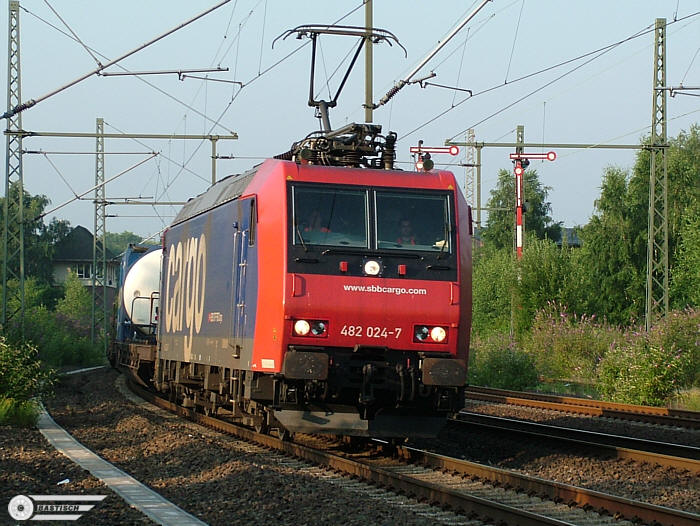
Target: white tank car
(141, 288)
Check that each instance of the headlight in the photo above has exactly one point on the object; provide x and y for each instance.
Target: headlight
(438, 334)
(301, 327)
(429, 334)
(372, 267)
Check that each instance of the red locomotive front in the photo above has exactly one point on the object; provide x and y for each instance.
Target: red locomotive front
(376, 301)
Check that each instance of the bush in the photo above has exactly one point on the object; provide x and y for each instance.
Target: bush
(642, 373)
(22, 379)
(492, 285)
(22, 376)
(18, 413)
(680, 332)
(567, 346)
(496, 362)
(62, 340)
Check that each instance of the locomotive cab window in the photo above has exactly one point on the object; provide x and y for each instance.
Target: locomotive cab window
(330, 216)
(411, 221)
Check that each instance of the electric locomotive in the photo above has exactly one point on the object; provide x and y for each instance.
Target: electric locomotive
(323, 291)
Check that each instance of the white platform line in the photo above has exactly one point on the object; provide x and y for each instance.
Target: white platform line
(141, 497)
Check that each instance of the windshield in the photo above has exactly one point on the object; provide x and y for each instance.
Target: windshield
(409, 221)
(400, 219)
(330, 216)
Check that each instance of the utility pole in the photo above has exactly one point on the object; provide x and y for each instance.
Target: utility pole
(99, 250)
(657, 247)
(368, 62)
(13, 228)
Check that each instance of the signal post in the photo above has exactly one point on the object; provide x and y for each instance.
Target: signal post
(521, 161)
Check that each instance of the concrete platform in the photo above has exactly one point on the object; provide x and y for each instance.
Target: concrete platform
(139, 496)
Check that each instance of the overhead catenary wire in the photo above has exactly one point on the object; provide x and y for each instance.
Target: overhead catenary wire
(515, 39)
(32, 102)
(80, 196)
(97, 61)
(645, 31)
(690, 65)
(149, 84)
(400, 84)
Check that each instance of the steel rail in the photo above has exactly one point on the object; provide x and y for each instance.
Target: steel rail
(432, 493)
(437, 494)
(671, 455)
(656, 415)
(627, 508)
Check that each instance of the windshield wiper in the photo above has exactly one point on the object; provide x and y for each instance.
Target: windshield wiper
(301, 238)
(446, 241)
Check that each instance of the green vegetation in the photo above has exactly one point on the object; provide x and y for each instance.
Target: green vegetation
(498, 363)
(575, 312)
(56, 324)
(23, 381)
(117, 243)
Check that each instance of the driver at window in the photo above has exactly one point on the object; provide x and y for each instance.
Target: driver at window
(315, 224)
(406, 236)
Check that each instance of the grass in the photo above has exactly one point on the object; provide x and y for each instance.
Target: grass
(18, 413)
(688, 400)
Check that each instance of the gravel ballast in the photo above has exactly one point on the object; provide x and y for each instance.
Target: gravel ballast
(213, 476)
(224, 481)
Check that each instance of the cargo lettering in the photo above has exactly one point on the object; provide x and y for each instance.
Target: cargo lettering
(187, 270)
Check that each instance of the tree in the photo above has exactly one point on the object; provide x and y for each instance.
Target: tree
(492, 285)
(77, 302)
(39, 238)
(537, 219)
(117, 243)
(614, 279)
(685, 273)
(615, 239)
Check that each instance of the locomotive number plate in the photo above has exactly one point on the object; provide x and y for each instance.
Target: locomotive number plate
(369, 331)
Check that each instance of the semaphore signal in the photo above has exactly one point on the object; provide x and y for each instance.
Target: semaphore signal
(521, 160)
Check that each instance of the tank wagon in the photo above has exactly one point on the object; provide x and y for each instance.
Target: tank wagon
(323, 291)
(134, 345)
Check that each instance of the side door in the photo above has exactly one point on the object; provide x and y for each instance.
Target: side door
(244, 282)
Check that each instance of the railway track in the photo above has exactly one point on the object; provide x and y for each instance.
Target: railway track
(638, 413)
(664, 454)
(476, 490)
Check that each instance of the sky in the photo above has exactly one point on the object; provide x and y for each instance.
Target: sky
(599, 92)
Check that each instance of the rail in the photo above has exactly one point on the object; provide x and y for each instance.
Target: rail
(655, 415)
(411, 480)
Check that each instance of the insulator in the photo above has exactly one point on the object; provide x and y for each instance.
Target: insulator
(393, 91)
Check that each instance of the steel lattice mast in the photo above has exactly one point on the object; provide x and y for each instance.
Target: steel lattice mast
(99, 259)
(13, 210)
(657, 248)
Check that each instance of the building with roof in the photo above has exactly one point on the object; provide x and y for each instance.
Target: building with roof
(74, 254)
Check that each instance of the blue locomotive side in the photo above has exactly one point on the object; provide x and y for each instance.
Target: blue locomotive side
(209, 287)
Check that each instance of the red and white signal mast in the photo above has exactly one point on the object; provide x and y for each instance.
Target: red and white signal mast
(521, 161)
